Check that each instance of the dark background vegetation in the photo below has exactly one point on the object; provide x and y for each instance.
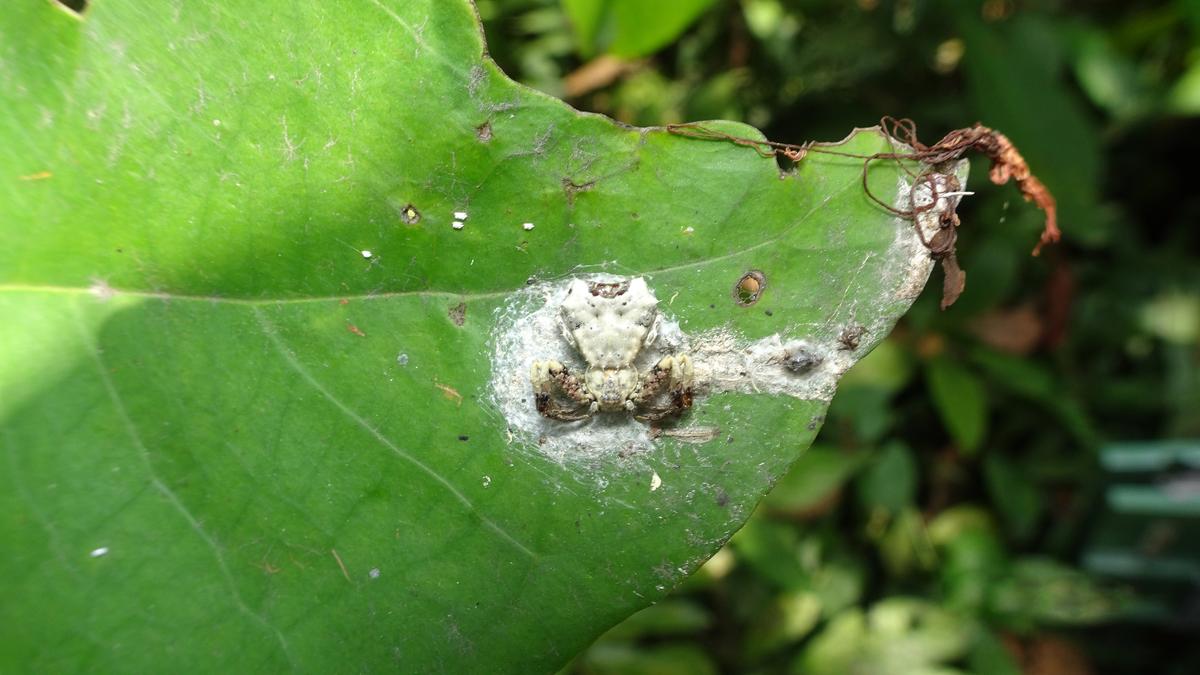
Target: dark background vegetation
(969, 505)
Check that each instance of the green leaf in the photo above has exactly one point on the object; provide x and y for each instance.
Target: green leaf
(803, 561)
(1018, 500)
(625, 659)
(838, 647)
(906, 546)
(813, 480)
(788, 619)
(888, 368)
(897, 635)
(1033, 381)
(961, 401)
(631, 28)
(262, 407)
(972, 557)
(890, 483)
(1109, 78)
(990, 657)
(866, 411)
(1183, 98)
(671, 617)
(1042, 591)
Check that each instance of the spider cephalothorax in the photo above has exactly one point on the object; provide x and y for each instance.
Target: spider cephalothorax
(609, 323)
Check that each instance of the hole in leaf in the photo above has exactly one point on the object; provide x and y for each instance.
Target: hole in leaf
(410, 215)
(786, 165)
(749, 288)
(76, 6)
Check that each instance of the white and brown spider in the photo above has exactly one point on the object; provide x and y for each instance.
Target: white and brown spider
(609, 323)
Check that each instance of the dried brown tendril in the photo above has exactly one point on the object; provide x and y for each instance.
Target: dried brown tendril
(1007, 164)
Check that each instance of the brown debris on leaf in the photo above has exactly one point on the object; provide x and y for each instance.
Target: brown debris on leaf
(1007, 164)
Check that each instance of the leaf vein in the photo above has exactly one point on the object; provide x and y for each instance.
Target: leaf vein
(273, 335)
(165, 490)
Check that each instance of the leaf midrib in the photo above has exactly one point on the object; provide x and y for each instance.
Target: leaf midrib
(101, 292)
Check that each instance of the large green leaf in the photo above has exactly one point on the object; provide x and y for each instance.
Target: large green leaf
(261, 404)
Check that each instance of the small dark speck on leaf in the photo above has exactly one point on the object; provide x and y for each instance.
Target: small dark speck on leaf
(464, 437)
(712, 306)
(410, 215)
(769, 312)
(531, 281)
(851, 336)
(722, 499)
(800, 360)
(458, 313)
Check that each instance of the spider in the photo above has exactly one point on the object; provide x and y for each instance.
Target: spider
(609, 323)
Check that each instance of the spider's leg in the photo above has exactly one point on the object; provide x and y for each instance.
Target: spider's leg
(551, 377)
(654, 381)
(683, 380)
(673, 375)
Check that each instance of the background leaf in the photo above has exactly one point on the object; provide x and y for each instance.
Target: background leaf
(630, 28)
(1016, 497)
(961, 401)
(890, 483)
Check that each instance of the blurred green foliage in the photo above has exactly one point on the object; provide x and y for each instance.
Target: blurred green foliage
(942, 521)
(630, 28)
